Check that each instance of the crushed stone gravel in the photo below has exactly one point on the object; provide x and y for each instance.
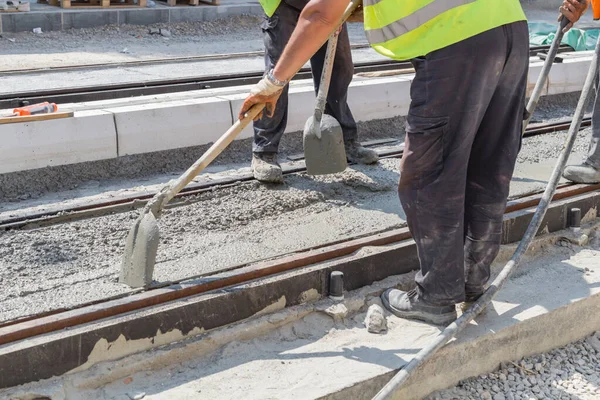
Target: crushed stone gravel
(568, 373)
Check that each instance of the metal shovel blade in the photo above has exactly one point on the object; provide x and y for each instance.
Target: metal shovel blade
(140, 252)
(325, 154)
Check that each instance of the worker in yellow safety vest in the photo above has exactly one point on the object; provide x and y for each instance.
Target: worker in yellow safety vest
(280, 20)
(463, 130)
(589, 170)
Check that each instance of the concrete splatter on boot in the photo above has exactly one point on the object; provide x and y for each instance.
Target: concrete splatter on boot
(584, 173)
(408, 305)
(266, 168)
(358, 154)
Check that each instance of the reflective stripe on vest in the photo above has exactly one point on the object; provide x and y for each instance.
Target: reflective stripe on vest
(404, 29)
(412, 21)
(269, 6)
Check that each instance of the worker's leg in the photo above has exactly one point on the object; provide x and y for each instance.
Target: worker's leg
(493, 157)
(589, 171)
(337, 96)
(450, 95)
(268, 131)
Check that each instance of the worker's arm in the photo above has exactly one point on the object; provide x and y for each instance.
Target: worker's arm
(572, 10)
(317, 22)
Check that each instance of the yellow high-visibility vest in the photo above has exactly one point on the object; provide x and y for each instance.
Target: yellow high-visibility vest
(270, 6)
(404, 29)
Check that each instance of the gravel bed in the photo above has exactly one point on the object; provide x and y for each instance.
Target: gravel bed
(567, 373)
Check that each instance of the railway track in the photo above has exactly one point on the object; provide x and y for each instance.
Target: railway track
(134, 89)
(23, 328)
(135, 201)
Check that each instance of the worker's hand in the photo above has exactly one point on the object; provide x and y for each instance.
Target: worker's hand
(572, 10)
(263, 92)
(357, 15)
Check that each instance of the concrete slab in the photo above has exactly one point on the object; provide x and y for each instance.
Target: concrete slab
(89, 135)
(19, 22)
(87, 19)
(51, 18)
(164, 126)
(380, 99)
(302, 353)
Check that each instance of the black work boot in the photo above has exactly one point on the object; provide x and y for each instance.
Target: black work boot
(408, 305)
(356, 153)
(266, 168)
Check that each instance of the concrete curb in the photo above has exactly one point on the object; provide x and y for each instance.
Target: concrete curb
(63, 19)
(164, 122)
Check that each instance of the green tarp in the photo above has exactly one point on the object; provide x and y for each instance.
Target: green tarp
(542, 33)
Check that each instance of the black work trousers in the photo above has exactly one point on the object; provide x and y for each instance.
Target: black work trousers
(277, 31)
(463, 135)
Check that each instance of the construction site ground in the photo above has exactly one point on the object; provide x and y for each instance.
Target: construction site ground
(322, 350)
(316, 350)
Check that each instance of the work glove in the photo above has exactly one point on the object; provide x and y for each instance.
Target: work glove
(357, 15)
(572, 10)
(265, 92)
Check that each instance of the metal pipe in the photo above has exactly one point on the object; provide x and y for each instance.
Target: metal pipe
(388, 391)
(541, 82)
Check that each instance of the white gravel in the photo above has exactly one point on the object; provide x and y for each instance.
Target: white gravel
(570, 373)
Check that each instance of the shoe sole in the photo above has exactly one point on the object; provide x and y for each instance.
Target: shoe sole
(442, 319)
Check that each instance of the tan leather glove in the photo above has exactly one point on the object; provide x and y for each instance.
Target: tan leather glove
(572, 10)
(263, 92)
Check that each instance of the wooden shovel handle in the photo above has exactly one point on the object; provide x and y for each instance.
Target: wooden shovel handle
(328, 64)
(177, 185)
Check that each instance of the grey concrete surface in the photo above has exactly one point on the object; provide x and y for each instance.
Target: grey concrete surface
(51, 18)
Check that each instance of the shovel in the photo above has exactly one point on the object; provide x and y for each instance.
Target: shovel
(541, 82)
(142, 241)
(323, 138)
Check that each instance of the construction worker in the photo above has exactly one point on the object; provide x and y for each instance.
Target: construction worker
(280, 20)
(589, 170)
(463, 130)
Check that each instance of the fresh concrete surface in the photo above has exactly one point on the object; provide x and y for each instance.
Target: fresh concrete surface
(140, 128)
(315, 351)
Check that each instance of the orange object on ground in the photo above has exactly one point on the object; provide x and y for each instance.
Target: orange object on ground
(41, 108)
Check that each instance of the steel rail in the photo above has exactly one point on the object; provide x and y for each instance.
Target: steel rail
(164, 86)
(533, 51)
(132, 89)
(133, 202)
(33, 326)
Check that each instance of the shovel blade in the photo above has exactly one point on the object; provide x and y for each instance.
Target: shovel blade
(140, 252)
(324, 155)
